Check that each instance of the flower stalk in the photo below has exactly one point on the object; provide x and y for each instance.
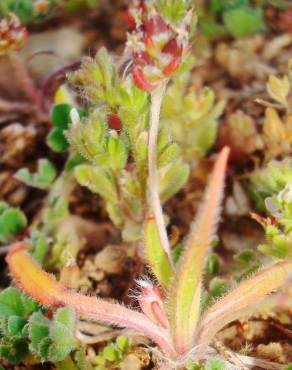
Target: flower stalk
(156, 101)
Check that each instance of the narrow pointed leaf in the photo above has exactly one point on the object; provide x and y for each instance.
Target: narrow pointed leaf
(185, 294)
(243, 300)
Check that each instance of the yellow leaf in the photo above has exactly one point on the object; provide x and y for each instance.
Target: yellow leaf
(279, 89)
(63, 95)
(274, 131)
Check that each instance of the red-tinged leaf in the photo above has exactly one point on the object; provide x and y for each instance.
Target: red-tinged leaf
(141, 81)
(185, 294)
(44, 288)
(242, 301)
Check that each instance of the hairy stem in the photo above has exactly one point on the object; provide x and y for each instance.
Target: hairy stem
(156, 101)
(45, 289)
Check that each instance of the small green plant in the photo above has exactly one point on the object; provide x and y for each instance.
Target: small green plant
(117, 160)
(271, 189)
(26, 329)
(191, 115)
(277, 133)
(112, 354)
(12, 222)
(239, 18)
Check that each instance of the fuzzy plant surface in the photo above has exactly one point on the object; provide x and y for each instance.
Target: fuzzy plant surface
(171, 314)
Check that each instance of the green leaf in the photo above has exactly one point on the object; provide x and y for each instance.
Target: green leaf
(245, 263)
(57, 141)
(212, 265)
(123, 343)
(244, 21)
(40, 249)
(38, 329)
(3, 207)
(12, 222)
(29, 304)
(173, 10)
(89, 138)
(211, 29)
(62, 334)
(220, 6)
(61, 116)
(73, 161)
(117, 150)
(110, 353)
(97, 180)
(156, 256)
(14, 352)
(15, 326)
(172, 179)
(218, 287)
(42, 179)
(11, 303)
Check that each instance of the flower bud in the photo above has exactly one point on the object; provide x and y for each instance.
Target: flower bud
(158, 44)
(12, 35)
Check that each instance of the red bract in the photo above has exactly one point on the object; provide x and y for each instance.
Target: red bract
(173, 48)
(142, 59)
(171, 67)
(155, 25)
(141, 81)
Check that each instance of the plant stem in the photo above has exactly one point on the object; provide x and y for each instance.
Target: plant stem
(25, 81)
(156, 100)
